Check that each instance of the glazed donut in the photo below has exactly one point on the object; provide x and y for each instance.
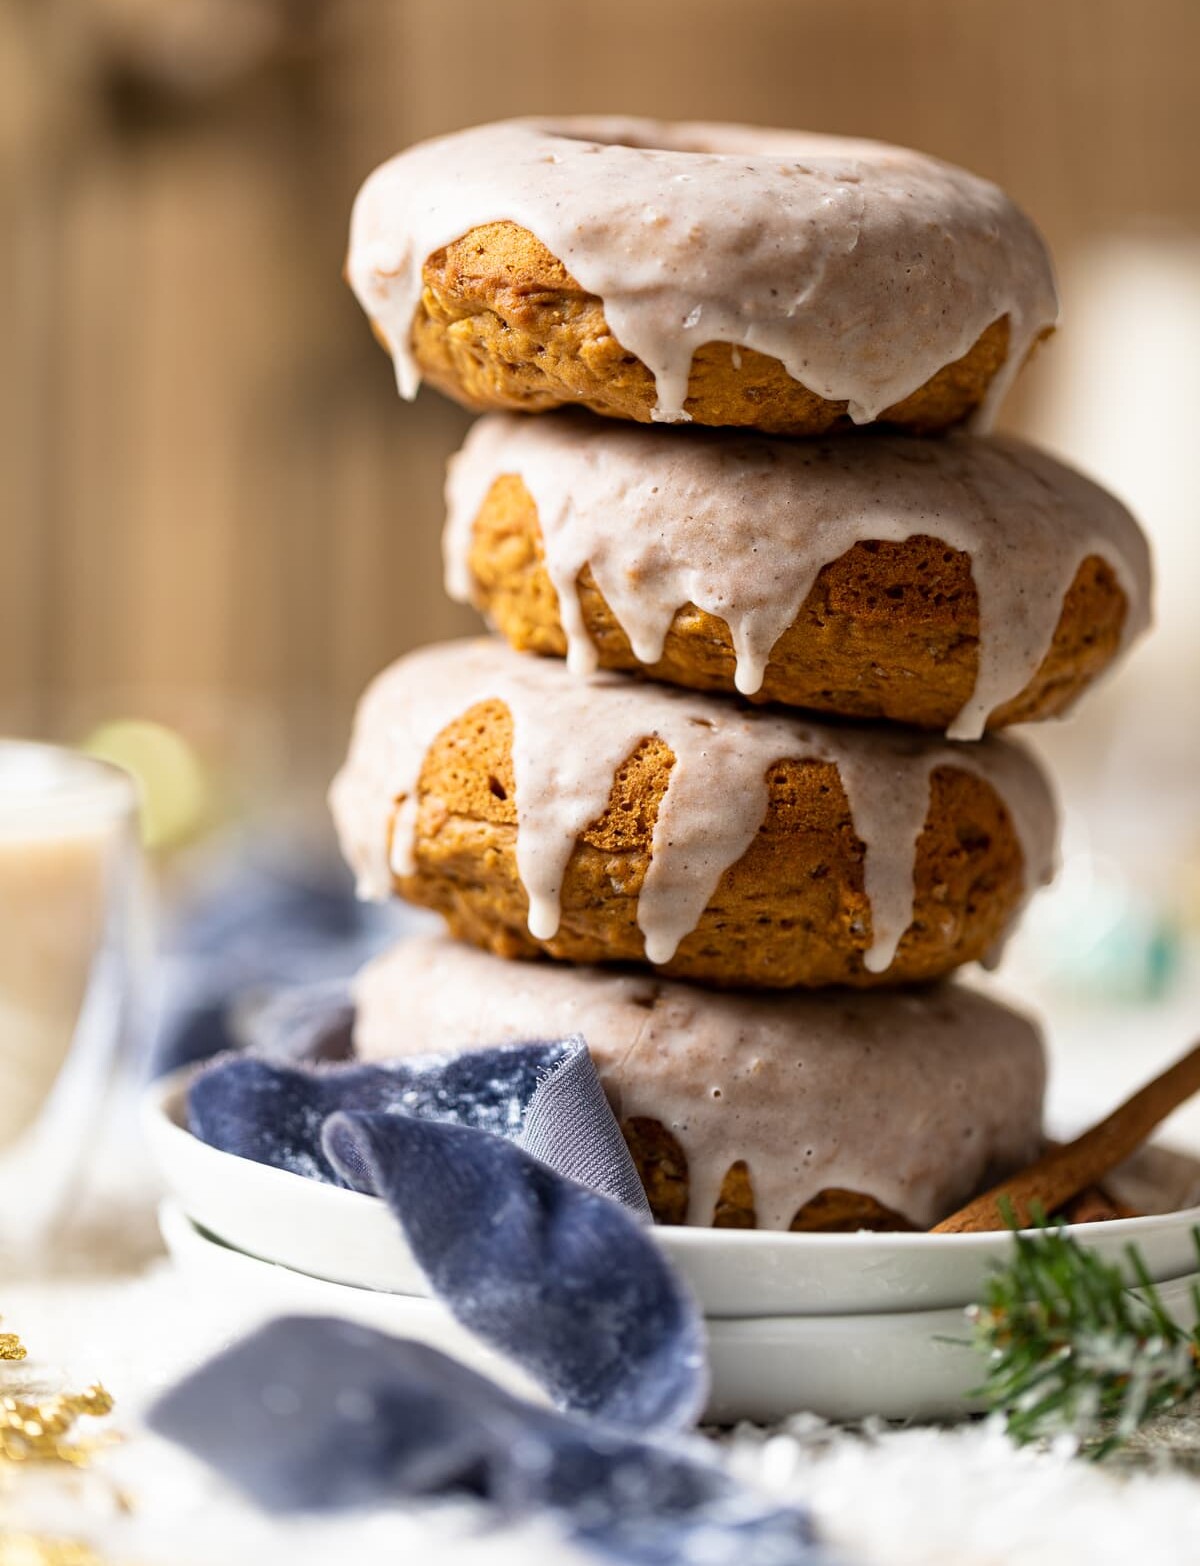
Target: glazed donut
(809, 1111)
(773, 279)
(970, 582)
(612, 820)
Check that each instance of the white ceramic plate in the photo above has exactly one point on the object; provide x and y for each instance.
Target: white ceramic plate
(896, 1364)
(347, 1238)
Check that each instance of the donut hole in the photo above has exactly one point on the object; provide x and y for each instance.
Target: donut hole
(680, 143)
(629, 143)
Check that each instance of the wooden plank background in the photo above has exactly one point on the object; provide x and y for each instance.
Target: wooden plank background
(215, 509)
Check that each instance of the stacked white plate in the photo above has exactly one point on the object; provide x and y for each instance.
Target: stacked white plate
(843, 1325)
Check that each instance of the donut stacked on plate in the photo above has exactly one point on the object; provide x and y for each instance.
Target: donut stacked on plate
(762, 527)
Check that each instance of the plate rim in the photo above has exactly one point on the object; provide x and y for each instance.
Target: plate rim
(161, 1102)
(170, 1212)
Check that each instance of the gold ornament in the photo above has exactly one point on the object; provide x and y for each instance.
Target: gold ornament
(44, 1430)
(11, 1348)
(27, 1549)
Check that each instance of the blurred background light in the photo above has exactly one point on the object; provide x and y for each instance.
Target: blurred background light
(219, 521)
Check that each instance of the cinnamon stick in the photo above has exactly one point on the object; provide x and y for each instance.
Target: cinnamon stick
(1064, 1171)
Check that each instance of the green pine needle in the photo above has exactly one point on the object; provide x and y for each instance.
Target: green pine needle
(1071, 1349)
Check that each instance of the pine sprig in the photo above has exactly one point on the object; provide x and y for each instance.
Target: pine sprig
(1072, 1349)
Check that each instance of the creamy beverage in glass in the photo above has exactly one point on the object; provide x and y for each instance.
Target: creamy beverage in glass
(67, 851)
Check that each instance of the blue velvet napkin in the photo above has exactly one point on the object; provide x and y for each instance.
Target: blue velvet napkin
(507, 1172)
(492, 1165)
(260, 916)
(544, 1095)
(557, 1277)
(312, 1414)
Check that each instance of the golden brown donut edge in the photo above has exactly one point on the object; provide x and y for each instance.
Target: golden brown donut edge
(502, 324)
(889, 630)
(791, 912)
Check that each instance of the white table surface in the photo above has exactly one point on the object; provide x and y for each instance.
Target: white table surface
(898, 1497)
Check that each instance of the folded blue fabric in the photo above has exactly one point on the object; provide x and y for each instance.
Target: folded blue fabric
(306, 1024)
(484, 1161)
(554, 1273)
(265, 916)
(312, 1414)
(545, 1095)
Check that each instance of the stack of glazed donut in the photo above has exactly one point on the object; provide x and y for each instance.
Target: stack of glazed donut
(763, 593)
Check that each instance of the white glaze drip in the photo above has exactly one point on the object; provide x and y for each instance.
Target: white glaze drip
(914, 1097)
(570, 735)
(741, 526)
(863, 268)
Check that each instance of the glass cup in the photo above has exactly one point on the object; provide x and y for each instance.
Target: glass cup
(69, 881)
